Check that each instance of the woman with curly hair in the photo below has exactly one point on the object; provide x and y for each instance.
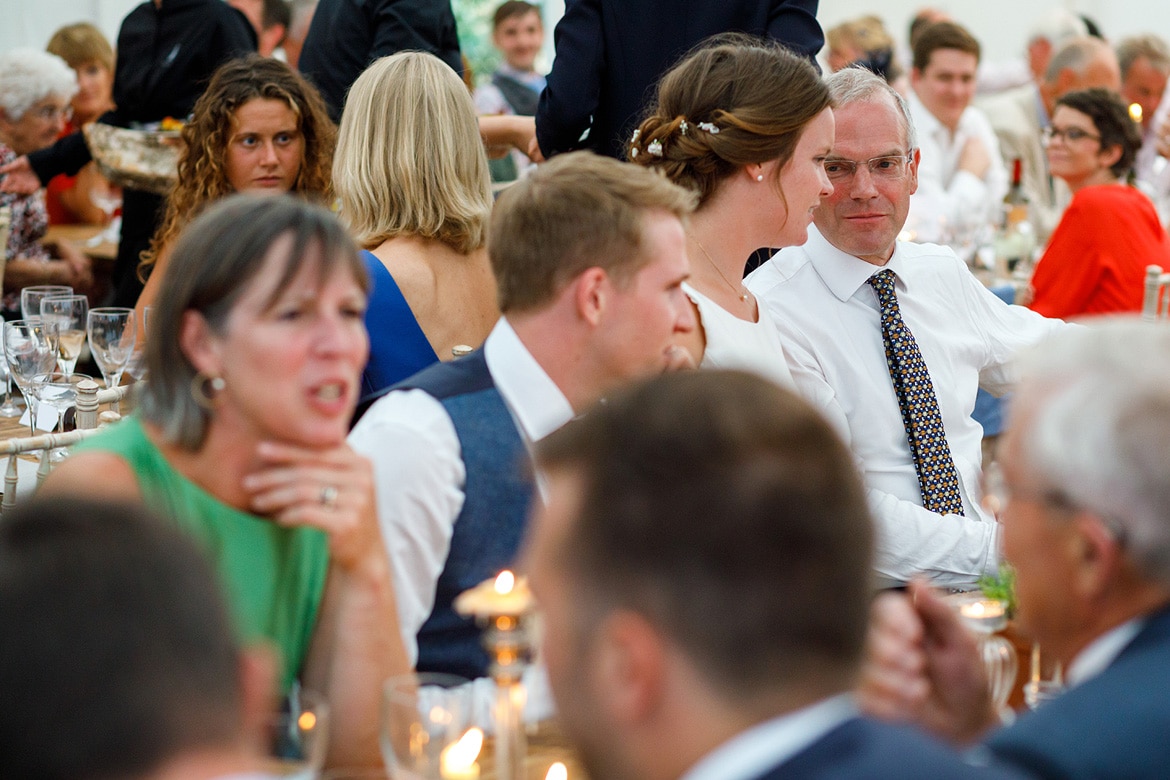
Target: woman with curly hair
(259, 127)
(747, 125)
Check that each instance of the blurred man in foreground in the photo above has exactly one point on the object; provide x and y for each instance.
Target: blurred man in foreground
(703, 568)
(1086, 524)
(117, 657)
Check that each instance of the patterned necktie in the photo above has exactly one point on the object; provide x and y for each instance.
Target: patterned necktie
(937, 477)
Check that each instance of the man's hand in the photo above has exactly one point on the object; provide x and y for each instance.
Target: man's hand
(923, 667)
(975, 158)
(19, 177)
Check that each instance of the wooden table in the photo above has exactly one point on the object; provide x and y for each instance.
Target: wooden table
(107, 251)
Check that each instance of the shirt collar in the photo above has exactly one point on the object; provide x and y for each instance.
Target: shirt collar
(843, 273)
(925, 123)
(535, 401)
(1102, 651)
(753, 752)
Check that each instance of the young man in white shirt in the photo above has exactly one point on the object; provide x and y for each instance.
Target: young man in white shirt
(589, 256)
(961, 177)
(831, 324)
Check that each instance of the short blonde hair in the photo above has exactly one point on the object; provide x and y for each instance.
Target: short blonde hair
(575, 212)
(81, 43)
(409, 157)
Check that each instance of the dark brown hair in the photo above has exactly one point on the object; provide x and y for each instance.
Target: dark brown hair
(1111, 118)
(726, 511)
(943, 35)
(733, 101)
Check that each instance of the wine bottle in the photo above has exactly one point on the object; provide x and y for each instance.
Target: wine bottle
(1016, 238)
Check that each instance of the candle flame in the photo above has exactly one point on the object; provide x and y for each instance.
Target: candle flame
(977, 609)
(1135, 112)
(557, 771)
(505, 582)
(460, 756)
(307, 721)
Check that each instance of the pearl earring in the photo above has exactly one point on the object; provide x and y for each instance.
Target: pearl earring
(760, 177)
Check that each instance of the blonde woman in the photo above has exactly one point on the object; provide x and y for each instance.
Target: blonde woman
(412, 176)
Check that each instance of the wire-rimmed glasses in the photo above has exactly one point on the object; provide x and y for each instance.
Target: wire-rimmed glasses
(887, 166)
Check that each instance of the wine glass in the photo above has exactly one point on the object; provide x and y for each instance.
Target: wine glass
(8, 408)
(58, 390)
(111, 340)
(108, 198)
(428, 729)
(295, 741)
(31, 297)
(1045, 678)
(137, 364)
(68, 313)
(30, 349)
(984, 616)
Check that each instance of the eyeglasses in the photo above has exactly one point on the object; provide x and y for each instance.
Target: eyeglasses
(49, 113)
(886, 167)
(1070, 135)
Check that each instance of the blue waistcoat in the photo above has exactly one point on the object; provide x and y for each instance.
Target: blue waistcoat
(491, 525)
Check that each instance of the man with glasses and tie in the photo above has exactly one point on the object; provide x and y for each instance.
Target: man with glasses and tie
(892, 340)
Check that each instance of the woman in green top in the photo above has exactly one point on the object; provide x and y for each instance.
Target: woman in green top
(257, 345)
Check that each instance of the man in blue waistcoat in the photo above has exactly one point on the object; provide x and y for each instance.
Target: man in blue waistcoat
(1086, 523)
(589, 255)
(703, 567)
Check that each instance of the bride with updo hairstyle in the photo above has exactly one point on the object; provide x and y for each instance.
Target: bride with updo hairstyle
(746, 124)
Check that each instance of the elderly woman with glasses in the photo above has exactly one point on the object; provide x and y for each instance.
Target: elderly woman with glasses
(1096, 259)
(35, 90)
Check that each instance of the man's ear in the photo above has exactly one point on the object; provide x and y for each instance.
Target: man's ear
(1098, 553)
(629, 667)
(199, 344)
(591, 291)
(912, 170)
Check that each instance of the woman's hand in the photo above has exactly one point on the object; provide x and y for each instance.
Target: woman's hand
(328, 489)
(19, 177)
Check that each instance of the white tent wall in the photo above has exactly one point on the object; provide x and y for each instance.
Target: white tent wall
(1000, 25)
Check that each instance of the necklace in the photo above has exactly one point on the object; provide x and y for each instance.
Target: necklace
(743, 296)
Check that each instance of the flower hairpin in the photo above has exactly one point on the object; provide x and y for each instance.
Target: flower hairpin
(654, 148)
(683, 126)
(637, 134)
(709, 127)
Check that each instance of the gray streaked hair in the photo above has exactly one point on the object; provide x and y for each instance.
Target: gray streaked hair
(28, 76)
(216, 259)
(859, 85)
(1074, 54)
(1150, 46)
(1096, 433)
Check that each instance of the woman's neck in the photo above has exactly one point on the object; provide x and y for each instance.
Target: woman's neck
(717, 258)
(1103, 176)
(219, 466)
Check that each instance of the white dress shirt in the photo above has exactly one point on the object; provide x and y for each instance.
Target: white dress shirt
(1102, 651)
(830, 324)
(754, 752)
(419, 472)
(948, 196)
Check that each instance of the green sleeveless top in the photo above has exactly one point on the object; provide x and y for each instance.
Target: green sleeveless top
(273, 576)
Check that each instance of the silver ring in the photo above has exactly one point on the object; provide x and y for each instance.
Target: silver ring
(328, 496)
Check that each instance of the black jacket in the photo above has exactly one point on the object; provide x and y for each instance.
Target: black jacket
(347, 35)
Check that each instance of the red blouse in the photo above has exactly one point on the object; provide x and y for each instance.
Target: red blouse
(1096, 261)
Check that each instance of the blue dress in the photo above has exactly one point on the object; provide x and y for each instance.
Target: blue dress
(398, 347)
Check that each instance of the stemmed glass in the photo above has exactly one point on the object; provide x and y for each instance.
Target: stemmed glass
(31, 297)
(108, 198)
(30, 348)
(137, 365)
(9, 407)
(68, 313)
(59, 390)
(111, 340)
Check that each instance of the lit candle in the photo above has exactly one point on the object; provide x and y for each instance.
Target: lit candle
(983, 614)
(1135, 112)
(557, 771)
(457, 761)
(505, 596)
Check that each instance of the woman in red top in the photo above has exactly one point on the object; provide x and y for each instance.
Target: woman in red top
(1096, 259)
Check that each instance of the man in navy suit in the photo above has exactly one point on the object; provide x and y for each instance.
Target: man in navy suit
(703, 567)
(610, 53)
(1086, 523)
